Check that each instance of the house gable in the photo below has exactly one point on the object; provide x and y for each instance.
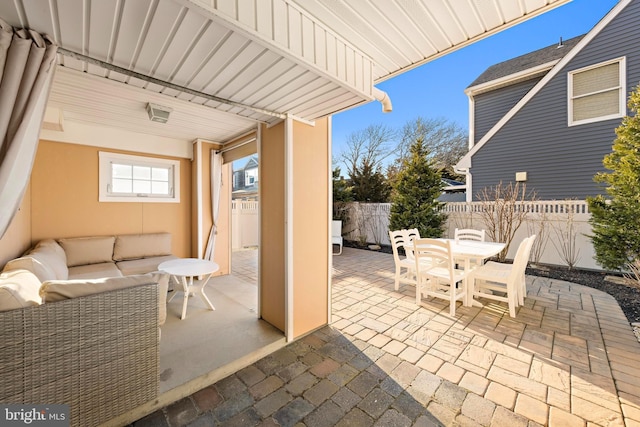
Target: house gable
(534, 137)
(489, 107)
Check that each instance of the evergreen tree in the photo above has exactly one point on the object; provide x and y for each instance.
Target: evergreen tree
(342, 195)
(370, 184)
(342, 191)
(416, 189)
(616, 222)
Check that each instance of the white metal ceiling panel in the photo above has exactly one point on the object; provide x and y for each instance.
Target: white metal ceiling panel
(100, 30)
(252, 73)
(265, 58)
(203, 47)
(468, 16)
(533, 5)
(180, 43)
(243, 60)
(392, 16)
(135, 19)
(166, 19)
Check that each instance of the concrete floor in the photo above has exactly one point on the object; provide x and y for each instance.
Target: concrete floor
(206, 340)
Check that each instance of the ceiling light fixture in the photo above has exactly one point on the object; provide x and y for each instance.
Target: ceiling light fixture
(158, 113)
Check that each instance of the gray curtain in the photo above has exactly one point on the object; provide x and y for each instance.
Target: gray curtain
(27, 66)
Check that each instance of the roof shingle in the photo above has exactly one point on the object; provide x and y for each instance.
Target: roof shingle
(526, 61)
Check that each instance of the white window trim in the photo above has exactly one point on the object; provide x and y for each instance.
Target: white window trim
(105, 159)
(622, 108)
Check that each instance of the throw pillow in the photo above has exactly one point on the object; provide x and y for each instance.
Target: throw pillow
(19, 289)
(88, 250)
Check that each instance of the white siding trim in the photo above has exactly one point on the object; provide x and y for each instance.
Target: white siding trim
(465, 162)
(510, 79)
(472, 120)
(330, 206)
(288, 231)
(197, 155)
(260, 248)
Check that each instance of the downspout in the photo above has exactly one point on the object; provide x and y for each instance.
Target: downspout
(384, 99)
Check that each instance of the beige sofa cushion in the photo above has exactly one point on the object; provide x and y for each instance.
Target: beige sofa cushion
(88, 250)
(49, 252)
(144, 265)
(29, 263)
(47, 261)
(59, 290)
(97, 271)
(136, 246)
(19, 289)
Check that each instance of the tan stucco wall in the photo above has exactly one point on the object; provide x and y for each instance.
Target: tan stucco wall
(272, 235)
(17, 238)
(310, 254)
(311, 171)
(64, 200)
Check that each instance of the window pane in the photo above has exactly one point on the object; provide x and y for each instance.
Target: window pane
(597, 79)
(121, 185)
(141, 172)
(160, 188)
(160, 174)
(120, 171)
(143, 187)
(599, 105)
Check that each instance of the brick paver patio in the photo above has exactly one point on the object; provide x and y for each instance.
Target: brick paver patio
(569, 358)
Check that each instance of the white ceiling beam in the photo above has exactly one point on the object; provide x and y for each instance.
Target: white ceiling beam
(301, 39)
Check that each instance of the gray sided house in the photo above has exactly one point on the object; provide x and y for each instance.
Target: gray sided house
(548, 118)
(245, 180)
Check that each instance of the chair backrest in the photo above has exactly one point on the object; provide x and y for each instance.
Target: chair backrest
(521, 259)
(336, 228)
(436, 252)
(403, 239)
(469, 234)
(410, 235)
(398, 240)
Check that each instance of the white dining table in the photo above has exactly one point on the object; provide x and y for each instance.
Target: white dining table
(467, 250)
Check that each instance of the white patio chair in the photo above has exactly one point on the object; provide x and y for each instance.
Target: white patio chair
(504, 282)
(469, 234)
(438, 277)
(399, 240)
(336, 235)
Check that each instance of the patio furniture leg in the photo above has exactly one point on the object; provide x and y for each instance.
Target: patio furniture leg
(200, 291)
(186, 285)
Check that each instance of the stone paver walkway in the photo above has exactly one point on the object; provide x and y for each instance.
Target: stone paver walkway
(569, 358)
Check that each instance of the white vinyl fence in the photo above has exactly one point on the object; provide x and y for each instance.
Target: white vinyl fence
(244, 224)
(561, 227)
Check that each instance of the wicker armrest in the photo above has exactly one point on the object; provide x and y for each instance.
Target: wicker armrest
(99, 354)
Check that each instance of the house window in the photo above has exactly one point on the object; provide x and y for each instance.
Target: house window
(126, 178)
(250, 177)
(597, 92)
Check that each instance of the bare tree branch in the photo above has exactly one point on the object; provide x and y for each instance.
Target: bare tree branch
(369, 146)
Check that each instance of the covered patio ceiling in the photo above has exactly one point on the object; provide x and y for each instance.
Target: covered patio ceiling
(225, 65)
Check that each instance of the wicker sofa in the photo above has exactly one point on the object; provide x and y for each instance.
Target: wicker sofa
(88, 338)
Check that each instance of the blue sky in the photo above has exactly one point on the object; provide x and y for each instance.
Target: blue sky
(436, 89)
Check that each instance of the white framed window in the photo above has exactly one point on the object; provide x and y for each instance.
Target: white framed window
(597, 92)
(127, 178)
(250, 177)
